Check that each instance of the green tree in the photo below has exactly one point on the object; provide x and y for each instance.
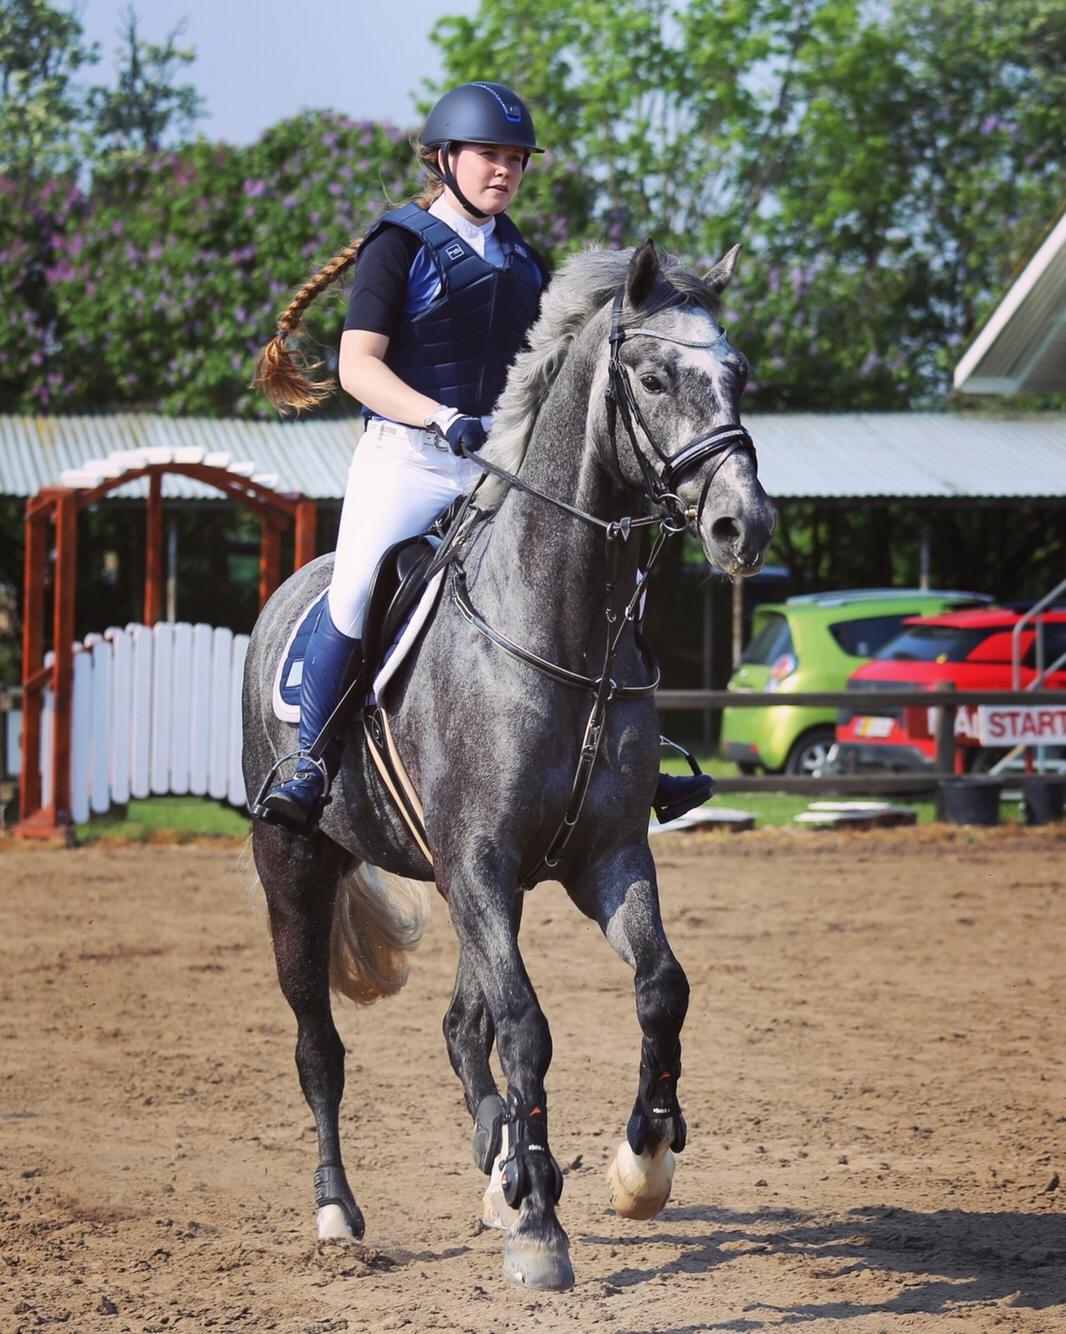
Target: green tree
(885, 166)
(147, 107)
(41, 52)
(180, 261)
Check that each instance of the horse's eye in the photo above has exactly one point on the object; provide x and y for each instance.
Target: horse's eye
(652, 384)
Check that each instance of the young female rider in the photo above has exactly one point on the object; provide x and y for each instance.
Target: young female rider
(444, 294)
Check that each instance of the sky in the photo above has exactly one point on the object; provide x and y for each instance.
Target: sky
(260, 61)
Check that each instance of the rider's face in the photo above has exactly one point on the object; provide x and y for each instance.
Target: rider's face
(488, 174)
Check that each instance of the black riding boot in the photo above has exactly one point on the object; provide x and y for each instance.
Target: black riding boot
(332, 663)
(675, 794)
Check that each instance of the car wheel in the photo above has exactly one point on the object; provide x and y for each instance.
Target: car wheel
(746, 769)
(809, 753)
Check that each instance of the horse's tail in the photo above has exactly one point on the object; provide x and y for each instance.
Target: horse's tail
(378, 918)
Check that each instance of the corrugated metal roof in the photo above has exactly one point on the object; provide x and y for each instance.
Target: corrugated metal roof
(1021, 348)
(922, 455)
(311, 457)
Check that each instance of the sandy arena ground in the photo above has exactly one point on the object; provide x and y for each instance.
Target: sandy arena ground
(874, 1085)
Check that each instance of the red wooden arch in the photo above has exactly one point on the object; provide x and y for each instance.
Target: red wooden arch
(59, 507)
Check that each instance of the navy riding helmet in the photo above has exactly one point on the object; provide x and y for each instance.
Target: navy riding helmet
(478, 113)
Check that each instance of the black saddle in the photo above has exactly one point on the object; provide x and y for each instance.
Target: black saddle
(398, 582)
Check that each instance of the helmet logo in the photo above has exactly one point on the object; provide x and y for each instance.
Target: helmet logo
(511, 110)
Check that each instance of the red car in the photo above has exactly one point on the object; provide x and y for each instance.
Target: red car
(965, 649)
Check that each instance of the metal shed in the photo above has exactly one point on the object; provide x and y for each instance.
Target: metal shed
(920, 456)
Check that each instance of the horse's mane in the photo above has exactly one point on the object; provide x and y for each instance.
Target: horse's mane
(583, 286)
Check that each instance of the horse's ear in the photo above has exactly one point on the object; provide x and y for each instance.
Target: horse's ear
(643, 268)
(717, 278)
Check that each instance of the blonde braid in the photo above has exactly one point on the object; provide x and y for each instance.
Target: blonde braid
(284, 374)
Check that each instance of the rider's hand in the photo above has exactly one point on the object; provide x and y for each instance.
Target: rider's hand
(458, 429)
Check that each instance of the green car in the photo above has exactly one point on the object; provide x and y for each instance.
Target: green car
(813, 642)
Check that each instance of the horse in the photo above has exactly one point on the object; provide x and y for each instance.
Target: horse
(520, 780)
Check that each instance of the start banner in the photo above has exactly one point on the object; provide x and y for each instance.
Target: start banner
(1017, 724)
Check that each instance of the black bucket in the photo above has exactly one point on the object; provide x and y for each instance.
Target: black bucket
(1043, 801)
(970, 800)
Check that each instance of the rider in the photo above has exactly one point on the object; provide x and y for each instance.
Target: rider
(444, 293)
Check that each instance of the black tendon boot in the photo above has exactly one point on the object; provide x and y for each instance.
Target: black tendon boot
(332, 663)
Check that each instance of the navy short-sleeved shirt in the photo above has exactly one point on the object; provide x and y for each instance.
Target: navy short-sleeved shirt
(379, 291)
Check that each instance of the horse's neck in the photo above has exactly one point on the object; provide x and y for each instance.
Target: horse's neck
(543, 573)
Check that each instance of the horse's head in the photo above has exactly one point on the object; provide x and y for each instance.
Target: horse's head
(673, 423)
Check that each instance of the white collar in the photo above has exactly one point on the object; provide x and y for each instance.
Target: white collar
(469, 231)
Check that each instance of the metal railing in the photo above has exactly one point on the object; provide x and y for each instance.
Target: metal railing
(944, 700)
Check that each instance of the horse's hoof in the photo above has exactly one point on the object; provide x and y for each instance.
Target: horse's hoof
(332, 1224)
(495, 1211)
(540, 1265)
(640, 1182)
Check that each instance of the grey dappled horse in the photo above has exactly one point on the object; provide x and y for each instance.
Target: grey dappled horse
(491, 744)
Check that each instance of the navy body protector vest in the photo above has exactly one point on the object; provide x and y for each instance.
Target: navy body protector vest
(458, 349)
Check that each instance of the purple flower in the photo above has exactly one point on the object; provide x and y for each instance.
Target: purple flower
(871, 362)
(253, 189)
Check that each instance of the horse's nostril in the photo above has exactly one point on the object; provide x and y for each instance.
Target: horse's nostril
(725, 531)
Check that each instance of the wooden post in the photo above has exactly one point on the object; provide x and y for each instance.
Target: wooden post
(32, 657)
(153, 552)
(707, 656)
(63, 647)
(738, 619)
(269, 558)
(947, 753)
(172, 569)
(304, 538)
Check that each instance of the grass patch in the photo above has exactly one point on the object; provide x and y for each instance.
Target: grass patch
(165, 820)
(779, 808)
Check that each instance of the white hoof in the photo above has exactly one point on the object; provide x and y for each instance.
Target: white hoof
(332, 1224)
(640, 1183)
(495, 1211)
(538, 1265)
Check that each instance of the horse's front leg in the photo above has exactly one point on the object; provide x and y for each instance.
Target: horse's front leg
(469, 1033)
(484, 910)
(619, 891)
(300, 879)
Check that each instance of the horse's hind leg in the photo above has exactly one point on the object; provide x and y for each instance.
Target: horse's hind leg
(300, 879)
(621, 894)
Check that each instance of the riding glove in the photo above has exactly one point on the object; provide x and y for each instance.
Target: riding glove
(458, 429)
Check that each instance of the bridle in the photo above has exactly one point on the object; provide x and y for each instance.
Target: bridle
(671, 515)
(720, 443)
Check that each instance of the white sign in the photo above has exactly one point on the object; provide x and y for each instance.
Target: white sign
(1018, 724)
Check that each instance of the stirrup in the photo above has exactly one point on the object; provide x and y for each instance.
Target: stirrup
(700, 786)
(305, 826)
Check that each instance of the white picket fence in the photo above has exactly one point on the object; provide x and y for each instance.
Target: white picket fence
(154, 712)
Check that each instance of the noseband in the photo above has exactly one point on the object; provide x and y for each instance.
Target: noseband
(720, 443)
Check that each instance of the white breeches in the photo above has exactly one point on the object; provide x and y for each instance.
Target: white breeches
(399, 481)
